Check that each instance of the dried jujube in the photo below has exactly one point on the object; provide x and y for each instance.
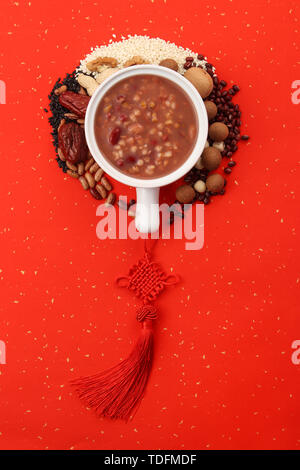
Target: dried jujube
(74, 102)
(71, 140)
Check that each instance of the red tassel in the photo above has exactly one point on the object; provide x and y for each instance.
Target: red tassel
(117, 392)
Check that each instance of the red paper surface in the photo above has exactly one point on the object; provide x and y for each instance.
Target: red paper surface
(223, 375)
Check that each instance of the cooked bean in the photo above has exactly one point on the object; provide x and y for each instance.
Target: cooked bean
(146, 126)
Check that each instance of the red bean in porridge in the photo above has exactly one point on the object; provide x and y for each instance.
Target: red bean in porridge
(146, 126)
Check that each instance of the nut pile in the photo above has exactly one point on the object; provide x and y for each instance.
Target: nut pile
(68, 103)
(223, 136)
(69, 99)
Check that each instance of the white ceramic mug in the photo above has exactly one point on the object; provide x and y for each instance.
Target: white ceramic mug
(147, 190)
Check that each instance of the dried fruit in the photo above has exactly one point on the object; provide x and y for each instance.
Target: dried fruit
(115, 135)
(72, 142)
(74, 102)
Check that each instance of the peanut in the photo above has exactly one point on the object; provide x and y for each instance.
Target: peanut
(105, 74)
(87, 82)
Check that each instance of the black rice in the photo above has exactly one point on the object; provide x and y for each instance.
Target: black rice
(58, 111)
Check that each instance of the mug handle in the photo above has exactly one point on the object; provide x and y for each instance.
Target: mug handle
(147, 210)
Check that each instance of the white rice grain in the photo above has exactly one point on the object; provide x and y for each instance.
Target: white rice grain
(152, 50)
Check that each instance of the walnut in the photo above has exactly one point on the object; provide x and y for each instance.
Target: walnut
(135, 60)
(95, 64)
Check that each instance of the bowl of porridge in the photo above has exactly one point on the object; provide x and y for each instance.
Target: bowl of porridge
(146, 126)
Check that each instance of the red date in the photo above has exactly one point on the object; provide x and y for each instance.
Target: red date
(74, 102)
(71, 141)
(115, 136)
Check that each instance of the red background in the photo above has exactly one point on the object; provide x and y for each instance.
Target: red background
(223, 375)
